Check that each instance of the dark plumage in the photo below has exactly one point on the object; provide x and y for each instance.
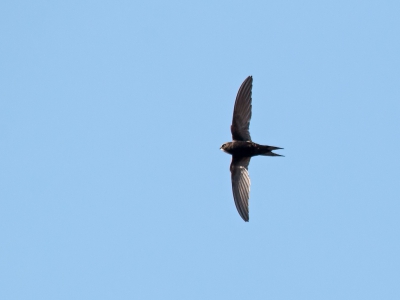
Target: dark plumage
(242, 148)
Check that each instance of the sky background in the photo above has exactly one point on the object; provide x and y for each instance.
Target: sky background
(112, 182)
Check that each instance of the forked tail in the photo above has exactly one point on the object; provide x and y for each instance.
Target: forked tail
(267, 151)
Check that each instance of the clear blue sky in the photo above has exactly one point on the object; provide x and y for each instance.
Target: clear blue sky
(112, 182)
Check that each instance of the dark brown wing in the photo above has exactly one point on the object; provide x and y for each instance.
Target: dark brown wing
(241, 185)
(242, 112)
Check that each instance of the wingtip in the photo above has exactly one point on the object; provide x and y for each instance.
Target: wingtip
(245, 218)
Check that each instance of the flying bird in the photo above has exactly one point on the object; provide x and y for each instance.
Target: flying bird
(242, 148)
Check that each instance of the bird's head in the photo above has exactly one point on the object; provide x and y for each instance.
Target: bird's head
(224, 147)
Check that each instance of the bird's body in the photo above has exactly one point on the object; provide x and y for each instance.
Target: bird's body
(248, 149)
(242, 149)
